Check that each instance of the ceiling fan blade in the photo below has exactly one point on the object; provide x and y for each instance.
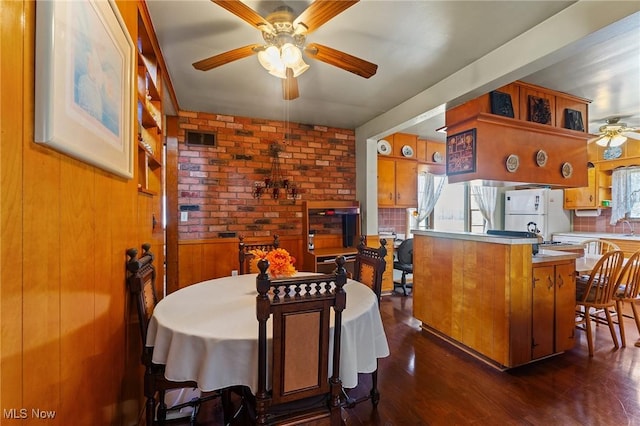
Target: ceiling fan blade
(632, 135)
(341, 60)
(290, 86)
(226, 57)
(321, 11)
(245, 13)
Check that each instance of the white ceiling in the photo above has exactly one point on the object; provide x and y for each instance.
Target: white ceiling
(416, 44)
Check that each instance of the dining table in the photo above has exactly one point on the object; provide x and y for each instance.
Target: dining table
(208, 333)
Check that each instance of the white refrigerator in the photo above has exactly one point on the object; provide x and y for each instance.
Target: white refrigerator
(537, 210)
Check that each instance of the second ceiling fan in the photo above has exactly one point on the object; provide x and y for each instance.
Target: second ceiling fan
(285, 40)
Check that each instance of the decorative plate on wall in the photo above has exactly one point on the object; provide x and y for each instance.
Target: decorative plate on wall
(567, 170)
(407, 151)
(437, 157)
(612, 153)
(513, 162)
(384, 147)
(541, 158)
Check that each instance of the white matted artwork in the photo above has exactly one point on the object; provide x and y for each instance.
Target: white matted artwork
(84, 83)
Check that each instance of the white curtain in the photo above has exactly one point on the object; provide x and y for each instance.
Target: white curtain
(625, 193)
(429, 189)
(619, 205)
(486, 198)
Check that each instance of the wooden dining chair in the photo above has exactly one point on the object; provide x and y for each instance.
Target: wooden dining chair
(369, 266)
(628, 290)
(598, 246)
(294, 386)
(141, 277)
(597, 294)
(245, 256)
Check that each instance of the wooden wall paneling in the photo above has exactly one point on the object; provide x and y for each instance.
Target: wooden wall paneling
(191, 259)
(41, 283)
(77, 288)
(12, 140)
(172, 213)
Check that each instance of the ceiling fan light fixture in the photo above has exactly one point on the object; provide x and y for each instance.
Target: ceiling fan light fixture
(603, 141)
(269, 58)
(290, 54)
(299, 67)
(617, 140)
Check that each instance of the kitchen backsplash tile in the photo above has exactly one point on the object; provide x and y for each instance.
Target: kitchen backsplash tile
(395, 219)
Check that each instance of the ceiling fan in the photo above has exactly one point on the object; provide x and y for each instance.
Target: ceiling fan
(285, 40)
(614, 133)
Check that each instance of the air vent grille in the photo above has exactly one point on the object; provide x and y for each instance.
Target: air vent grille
(201, 138)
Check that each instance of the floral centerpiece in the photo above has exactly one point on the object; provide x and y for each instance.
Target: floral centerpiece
(280, 262)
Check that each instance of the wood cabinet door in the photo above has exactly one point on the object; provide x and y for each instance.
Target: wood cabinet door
(565, 306)
(386, 182)
(406, 184)
(543, 311)
(577, 198)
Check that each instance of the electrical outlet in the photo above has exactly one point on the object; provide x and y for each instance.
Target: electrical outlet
(184, 216)
(234, 273)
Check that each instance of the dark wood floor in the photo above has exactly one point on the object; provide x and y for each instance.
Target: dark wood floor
(426, 381)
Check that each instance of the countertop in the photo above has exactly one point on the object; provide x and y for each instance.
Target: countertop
(603, 235)
(474, 236)
(545, 255)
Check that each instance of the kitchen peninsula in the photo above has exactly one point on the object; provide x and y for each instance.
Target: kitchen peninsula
(490, 296)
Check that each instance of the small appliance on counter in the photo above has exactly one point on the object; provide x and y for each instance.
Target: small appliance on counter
(539, 211)
(516, 234)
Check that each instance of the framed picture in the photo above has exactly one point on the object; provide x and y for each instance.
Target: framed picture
(573, 120)
(84, 88)
(461, 152)
(539, 110)
(501, 104)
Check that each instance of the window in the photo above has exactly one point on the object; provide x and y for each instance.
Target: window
(457, 210)
(625, 193)
(450, 212)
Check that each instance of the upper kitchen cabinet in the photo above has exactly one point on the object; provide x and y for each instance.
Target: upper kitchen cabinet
(430, 156)
(150, 113)
(523, 133)
(584, 197)
(398, 171)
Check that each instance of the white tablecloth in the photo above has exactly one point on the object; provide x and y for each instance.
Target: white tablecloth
(208, 332)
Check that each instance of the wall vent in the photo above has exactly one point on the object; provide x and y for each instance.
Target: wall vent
(201, 138)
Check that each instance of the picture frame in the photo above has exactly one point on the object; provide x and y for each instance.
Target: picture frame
(501, 104)
(539, 110)
(84, 83)
(461, 153)
(573, 120)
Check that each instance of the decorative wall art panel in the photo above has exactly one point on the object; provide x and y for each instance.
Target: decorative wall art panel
(539, 110)
(501, 104)
(461, 152)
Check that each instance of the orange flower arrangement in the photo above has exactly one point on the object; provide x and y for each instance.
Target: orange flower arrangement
(280, 262)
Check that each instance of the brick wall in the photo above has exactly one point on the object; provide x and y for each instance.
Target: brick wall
(219, 180)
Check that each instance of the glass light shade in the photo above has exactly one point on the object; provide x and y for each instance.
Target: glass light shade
(279, 72)
(617, 140)
(299, 67)
(603, 141)
(269, 58)
(290, 54)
